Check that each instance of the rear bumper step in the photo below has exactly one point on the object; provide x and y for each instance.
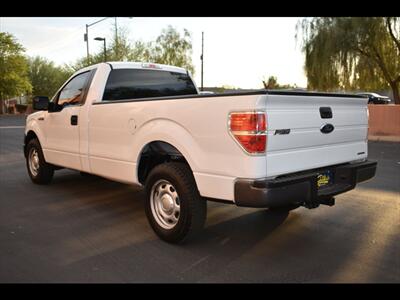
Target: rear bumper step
(302, 188)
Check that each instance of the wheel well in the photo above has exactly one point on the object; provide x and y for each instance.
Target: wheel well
(156, 153)
(30, 136)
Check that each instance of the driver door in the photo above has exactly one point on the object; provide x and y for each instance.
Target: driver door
(62, 124)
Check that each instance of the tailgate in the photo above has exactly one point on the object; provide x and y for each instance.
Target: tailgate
(309, 144)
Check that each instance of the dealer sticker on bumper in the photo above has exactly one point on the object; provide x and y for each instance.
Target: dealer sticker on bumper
(324, 178)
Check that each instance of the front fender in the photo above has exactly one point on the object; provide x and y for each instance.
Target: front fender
(32, 125)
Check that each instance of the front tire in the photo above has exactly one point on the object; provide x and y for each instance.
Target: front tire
(39, 171)
(174, 207)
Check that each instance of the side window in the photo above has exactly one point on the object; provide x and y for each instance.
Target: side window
(71, 94)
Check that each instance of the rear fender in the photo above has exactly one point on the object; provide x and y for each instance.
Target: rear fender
(170, 132)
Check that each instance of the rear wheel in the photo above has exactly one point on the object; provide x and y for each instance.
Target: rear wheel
(39, 171)
(174, 207)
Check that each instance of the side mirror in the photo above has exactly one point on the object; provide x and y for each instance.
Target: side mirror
(52, 107)
(40, 103)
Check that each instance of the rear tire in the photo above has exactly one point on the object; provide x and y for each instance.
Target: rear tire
(174, 207)
(285, 208)
(85, 174)
(39, 171)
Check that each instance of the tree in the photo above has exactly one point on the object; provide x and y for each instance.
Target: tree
(45, 77)
(352, 53)
(272, 83)
(173, 49)
(120, 48)
(169, 48)
(13, 69)
(141, 51)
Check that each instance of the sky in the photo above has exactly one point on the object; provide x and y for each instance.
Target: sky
(238, 52)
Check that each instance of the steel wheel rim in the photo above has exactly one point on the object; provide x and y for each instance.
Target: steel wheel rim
(165, 204)
(34, 162)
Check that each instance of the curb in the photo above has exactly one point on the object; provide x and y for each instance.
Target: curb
(381, 138)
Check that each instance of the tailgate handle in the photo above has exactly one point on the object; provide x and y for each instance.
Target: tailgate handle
(325, 112)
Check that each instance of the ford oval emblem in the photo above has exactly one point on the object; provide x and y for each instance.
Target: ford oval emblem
(327, 128)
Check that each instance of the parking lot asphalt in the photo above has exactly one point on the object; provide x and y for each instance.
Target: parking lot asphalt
(89, 229)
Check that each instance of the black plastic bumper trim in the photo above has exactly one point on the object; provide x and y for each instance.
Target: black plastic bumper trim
(301, 188)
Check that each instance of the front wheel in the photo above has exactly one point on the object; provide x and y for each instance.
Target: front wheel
(39, 171)
(174, 207)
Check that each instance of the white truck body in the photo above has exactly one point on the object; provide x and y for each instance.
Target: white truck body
(110, 136)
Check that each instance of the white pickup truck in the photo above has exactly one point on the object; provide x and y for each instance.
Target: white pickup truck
(147, 124)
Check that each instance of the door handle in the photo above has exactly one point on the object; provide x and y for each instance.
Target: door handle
(74, 120)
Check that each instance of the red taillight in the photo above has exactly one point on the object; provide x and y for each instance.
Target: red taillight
(248, 122)
(252, 143)
(249, 129)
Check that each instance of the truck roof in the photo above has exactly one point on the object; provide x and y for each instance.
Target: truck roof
(137, 65)
(145, 65)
